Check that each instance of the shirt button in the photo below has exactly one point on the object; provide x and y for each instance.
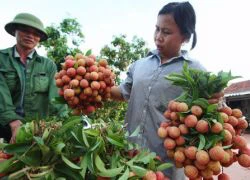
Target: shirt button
(144, 111)
(149, 87)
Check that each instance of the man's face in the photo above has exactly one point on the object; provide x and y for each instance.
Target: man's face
(27, 37)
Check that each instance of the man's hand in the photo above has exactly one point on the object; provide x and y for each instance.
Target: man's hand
(14, 125)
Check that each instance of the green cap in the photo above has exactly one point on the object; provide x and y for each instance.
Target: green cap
(27, 20)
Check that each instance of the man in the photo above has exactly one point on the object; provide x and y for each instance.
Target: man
(27, 83)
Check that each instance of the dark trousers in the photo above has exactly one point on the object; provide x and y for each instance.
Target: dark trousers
(5, 132)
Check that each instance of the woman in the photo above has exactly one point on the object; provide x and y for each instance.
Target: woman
(146, 89)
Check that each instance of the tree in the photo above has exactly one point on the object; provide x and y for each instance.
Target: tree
(120, 53)
(63, 40)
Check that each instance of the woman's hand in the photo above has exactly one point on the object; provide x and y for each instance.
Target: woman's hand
(216, 98)
(116, 93)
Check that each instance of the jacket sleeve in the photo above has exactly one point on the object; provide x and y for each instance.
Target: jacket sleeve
(7, 109)
(60, 109)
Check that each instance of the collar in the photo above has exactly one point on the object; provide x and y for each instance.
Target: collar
(17, 55)
(183, 54)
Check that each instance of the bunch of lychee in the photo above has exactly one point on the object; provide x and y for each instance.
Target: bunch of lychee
(150, 174)
(85, 82)
(221, 145)
(4, 157)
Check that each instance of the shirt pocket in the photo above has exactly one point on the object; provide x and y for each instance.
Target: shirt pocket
(11, 79)
(41, 82)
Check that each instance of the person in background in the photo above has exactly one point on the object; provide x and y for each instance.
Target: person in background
(146, 89)
(27, 84)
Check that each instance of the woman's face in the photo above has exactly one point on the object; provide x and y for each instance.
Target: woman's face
(168, 38)
(27, 38)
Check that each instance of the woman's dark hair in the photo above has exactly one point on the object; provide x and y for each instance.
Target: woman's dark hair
(184, 16)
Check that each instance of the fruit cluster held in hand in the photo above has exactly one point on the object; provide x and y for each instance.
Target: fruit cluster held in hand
(85, 82)
(204, 139)
(201, 133)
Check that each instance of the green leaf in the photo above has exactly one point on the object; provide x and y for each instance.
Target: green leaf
(227, 147)
(111, 172)
(125, 175)
(99, 163)
(212, 108)
(45, 149)
(90, 160)
(2, 145)
(136, 132)
(131, 161)
(164, 166)
(139, 171)
(24, 134)
(89, 52)
(72, 121)
(85, 140)
(202, 102)
(38, 140)
(76, 65)
(212, 139)
(220, 120)
(184, 97)
(96, 145)
(84, 165)
(46, 134)
(145, 157)
(114, 142)
(16, 148)
(175, 75)
(67, 172)
(126, 134)
(106, 172)
(152, 164)
(202, 142)
(59, 147)
(210, 144)
(213, 120)
(69, 163)
(5, 165)
(75, 136)
(92, 132)
(32, 157)
(181, 81)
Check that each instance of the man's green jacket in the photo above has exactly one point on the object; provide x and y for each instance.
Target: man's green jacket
(37, 82)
